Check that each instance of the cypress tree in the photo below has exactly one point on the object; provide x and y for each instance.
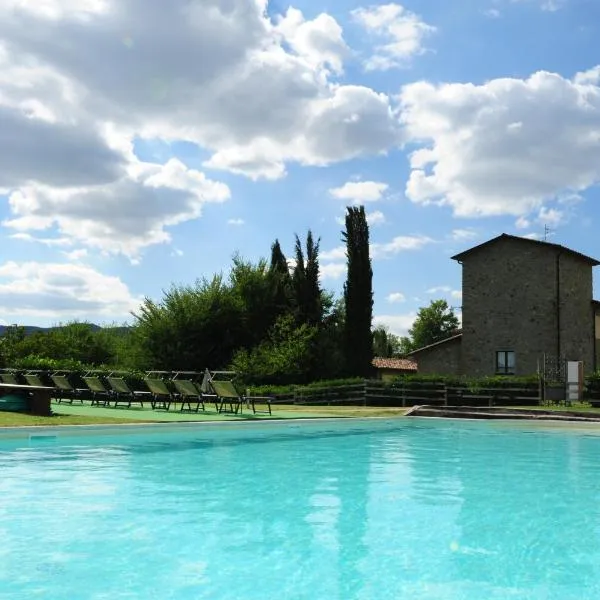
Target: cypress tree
(358, 294)
(281, 280)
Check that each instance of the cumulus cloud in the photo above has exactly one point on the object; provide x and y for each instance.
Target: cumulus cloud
(255, 92)
(122, 217)
(236, 222)
(332, 270)
(360, 191)
(505, 147)
(396, 324)
(396, 297)
(399, 244)
(33, 289)
(375, 218)
(337, 253)
(400, 31)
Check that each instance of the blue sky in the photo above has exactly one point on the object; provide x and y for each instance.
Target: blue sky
(143, 143)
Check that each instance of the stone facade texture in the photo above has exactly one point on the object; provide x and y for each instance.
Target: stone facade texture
(440, 359)
(529, 298)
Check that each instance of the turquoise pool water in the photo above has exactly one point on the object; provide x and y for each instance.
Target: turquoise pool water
(408, 509)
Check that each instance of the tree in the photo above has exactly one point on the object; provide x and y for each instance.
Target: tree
(434, 323)
(191, 328)
(280, 280)
(284, 357)
(385, 344)
(358, 294)
(305, 282)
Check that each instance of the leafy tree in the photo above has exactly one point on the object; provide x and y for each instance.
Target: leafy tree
(191, 328)
(358, 294)
(254, 286)
(385, 344)
(10, 343)
(283, 358)
(434, 323)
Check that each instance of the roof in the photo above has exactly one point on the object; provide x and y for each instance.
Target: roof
(398, 364)
(458, 336)
(505, 236)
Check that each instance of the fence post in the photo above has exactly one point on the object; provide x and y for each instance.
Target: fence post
(365, 393)
(445, 395)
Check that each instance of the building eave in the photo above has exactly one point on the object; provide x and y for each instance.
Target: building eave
(436, 344)
(466, 253)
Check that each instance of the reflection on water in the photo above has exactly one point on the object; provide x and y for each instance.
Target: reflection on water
(407, 509)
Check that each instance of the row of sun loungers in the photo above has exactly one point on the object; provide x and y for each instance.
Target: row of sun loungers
(159, 393)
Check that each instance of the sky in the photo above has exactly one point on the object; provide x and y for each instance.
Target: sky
(143, 143)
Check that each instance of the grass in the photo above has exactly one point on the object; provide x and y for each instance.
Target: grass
(8, 419)
(66, 414)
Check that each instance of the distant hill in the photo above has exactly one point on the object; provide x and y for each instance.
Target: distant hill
(29, 329)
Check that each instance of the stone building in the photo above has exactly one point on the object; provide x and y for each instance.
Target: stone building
(522, 299)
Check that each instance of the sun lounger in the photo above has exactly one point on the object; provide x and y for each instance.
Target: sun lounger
(100, 393)
(121, 392)
(190, 394)
(65, 391)
(227, 396)
(162, 397)
(10, 378)
(33, 379)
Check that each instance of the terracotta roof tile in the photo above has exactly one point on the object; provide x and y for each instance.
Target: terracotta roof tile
(400, 364)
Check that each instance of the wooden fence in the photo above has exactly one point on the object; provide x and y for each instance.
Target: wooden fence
(410, 393)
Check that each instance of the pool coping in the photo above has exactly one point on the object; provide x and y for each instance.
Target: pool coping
(498, 414)
(39, 431)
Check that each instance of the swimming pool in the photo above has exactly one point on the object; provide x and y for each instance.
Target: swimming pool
(415, 509)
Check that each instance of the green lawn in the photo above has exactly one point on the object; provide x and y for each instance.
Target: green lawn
(84, 414)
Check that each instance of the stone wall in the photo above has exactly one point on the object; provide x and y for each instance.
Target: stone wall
(443, 358)
(512, 290)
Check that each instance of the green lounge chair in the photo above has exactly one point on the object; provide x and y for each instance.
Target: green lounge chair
(33, 379)
(10, 378)
(65, 391)
(227, 395)
(100, 394)
(162, 396)
(121, 392)
(189, 394)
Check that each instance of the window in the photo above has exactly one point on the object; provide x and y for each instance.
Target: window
(505, 362)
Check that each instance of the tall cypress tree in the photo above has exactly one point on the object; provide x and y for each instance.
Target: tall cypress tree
(281, 280)
(305, 282)
(358, 294)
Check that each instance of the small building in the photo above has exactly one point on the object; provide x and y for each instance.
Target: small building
(388, 368)
(522, 299)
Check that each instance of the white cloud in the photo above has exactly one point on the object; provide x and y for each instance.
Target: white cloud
(375, 218)
(551, 217)
(396, 297)
(337, 253)
(439, 289)
(32, 289)
(488, 149)
(123, 217)
(69, 112)
(76, 255)
(397, 324)
(360, 191)
(463, 235)
(456, 294)
(319, 41)
(399, 244)
(237, 222)
(332, 270)
(401, 31)
(522, 223)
